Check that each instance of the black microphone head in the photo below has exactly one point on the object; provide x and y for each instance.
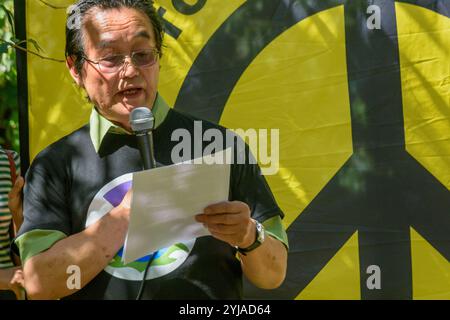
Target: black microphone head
(141, 119)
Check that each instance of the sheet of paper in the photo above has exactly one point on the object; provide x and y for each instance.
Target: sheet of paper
(165, 201)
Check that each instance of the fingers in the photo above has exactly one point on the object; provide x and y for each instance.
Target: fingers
(15, 202)
(18, 277)
(223, 218)
(226, 207)
(126, 201)
(122, 211)
(226, 229)
(17, 284)
(18, 185)
(225, 213)
(241, 235)
(16, 190)
(228, 221)
(20, 181)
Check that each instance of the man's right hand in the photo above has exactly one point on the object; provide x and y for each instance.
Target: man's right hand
(125, 206)
(91, 250)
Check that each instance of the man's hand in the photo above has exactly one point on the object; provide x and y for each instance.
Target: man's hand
(229, 222)
(12, 279)
(125, 205)
(91, 250)
(15, 203)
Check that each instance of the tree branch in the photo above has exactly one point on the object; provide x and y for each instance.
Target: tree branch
(29, 51)
(51, 5)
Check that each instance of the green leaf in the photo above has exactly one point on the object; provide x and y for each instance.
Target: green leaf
(10, 16)
(4, 48)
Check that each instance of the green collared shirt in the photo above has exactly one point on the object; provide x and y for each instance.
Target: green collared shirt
(100, 126)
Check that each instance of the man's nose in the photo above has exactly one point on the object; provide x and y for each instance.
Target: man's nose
(129, 70)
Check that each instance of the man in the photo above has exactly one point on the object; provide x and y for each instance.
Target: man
(114, 58)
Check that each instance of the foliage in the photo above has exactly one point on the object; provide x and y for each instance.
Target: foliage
(9, 110)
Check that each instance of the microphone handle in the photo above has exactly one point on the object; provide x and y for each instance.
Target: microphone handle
(152, 150)
(145, 144)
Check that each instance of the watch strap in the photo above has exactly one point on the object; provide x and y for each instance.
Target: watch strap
(259, 237)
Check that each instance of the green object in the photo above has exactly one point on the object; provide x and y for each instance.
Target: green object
(36, 241)
(275, 229)
(99, 125)
(9, 111)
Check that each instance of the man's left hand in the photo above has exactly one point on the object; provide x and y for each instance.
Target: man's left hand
(229, 221)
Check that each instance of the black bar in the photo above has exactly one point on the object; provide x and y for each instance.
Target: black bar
(22, 83)
(378, 141)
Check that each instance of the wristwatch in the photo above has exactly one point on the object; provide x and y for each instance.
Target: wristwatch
(260, 236)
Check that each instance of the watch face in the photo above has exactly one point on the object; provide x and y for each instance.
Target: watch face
(260, 230)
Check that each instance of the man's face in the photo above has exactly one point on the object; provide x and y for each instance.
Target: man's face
(112, 32)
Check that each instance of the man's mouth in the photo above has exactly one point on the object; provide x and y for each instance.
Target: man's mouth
(131, 93)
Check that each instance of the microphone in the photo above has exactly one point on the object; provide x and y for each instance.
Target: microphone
(142, 122)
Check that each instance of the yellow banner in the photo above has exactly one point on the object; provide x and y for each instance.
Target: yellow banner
(270, 65)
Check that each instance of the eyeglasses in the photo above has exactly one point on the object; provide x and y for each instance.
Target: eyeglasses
(113, 63)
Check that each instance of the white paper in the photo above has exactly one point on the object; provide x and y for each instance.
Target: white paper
(165, 201)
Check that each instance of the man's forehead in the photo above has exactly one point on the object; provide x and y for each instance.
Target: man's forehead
(108, 39)
(113, 25)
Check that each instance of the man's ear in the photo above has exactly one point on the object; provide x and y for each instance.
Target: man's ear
(70, 63)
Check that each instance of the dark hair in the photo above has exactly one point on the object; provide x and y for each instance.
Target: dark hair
(74, 35)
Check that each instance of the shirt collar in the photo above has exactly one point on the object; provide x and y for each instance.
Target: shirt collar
(100, 126)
